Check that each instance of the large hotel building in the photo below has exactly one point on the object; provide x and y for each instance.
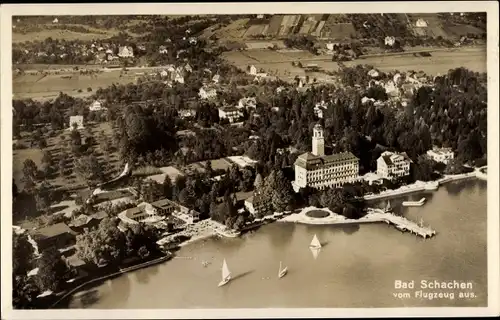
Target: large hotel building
(317, 170)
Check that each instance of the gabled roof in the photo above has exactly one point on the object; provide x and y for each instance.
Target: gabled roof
(52, 231)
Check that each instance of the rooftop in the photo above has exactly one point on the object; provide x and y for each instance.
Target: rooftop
(308, 160)
(162, 203)
(53, 231)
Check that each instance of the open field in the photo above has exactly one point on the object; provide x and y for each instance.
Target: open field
(40, 87)
(58, 34)
(473, 58)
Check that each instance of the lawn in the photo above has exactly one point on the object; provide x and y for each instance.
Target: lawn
(317, 214)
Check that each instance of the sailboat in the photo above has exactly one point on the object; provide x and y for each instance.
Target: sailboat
(226, 274)
(315, 243)
(388, 207)
(282, 272)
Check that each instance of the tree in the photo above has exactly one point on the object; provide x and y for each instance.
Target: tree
(102, 245)
(167, 187)
(51, 270)
(30, 170)
(15, 190)
(22, 254)
(88, 168)
(423, 169)
(282, 194)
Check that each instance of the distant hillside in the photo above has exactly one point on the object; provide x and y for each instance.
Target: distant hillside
(356, 26)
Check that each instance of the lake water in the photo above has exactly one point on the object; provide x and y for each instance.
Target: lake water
(357, 266)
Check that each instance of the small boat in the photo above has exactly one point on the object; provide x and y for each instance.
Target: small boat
(226, 274)
(414, 203)
(282, 272)
(315, 243)
(388, 207)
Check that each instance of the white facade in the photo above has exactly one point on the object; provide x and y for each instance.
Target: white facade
(318, 170)
(421, 23)
(206, 93)
(230, 113)
(126, 52)
(253, 70)
(96, 106)
(389, 41)
(391, 165)
(247, 103)
(76, 119)
(444, 155)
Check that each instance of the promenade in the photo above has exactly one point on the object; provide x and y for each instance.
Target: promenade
(373, 216)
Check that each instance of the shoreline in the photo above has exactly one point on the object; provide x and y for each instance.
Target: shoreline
(120, 271)
(420, 186)
(373, 216)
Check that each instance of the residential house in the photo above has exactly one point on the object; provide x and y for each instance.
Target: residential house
(165, 207)
(163, 50)
(247, 103)
(187, 113)
(164, 74)
(253, 70)
(391, 165)
(207, 93)
(178, 77)
(421, 23)
(76, 120)
(58, 236)
(397, 78)
(193, 40)
(55, 20)
(141, 47)
(143, 213)
(77, 266)
(230, 113)
(389, 41)
(96, 106)
(330, 46)
(373, 73)
(444, 155)
(188, 67)
(126, 52)
(258, 206)
(391, 89)
(216, 78)
(82, 222)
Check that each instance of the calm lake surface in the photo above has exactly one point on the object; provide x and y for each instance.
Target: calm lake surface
(357, 266)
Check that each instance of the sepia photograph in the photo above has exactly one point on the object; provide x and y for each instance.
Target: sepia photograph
(228, 158)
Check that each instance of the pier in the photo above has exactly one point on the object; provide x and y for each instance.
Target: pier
(401, 223)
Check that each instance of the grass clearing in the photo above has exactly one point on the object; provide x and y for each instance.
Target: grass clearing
(317, 214)
(27, 86)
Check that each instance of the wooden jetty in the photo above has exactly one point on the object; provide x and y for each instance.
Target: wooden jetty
(403, 224)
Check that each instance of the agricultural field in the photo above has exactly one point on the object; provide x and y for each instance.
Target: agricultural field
(41, 87)
(61, 34)
(473, 58)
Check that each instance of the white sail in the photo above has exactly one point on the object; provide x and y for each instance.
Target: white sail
(315, 242)
(315, 252)
(225, 270)
(282, 271)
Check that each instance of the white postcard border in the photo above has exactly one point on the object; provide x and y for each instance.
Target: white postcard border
(491, 7)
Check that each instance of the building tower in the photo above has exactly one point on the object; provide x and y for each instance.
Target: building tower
(318, 141)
